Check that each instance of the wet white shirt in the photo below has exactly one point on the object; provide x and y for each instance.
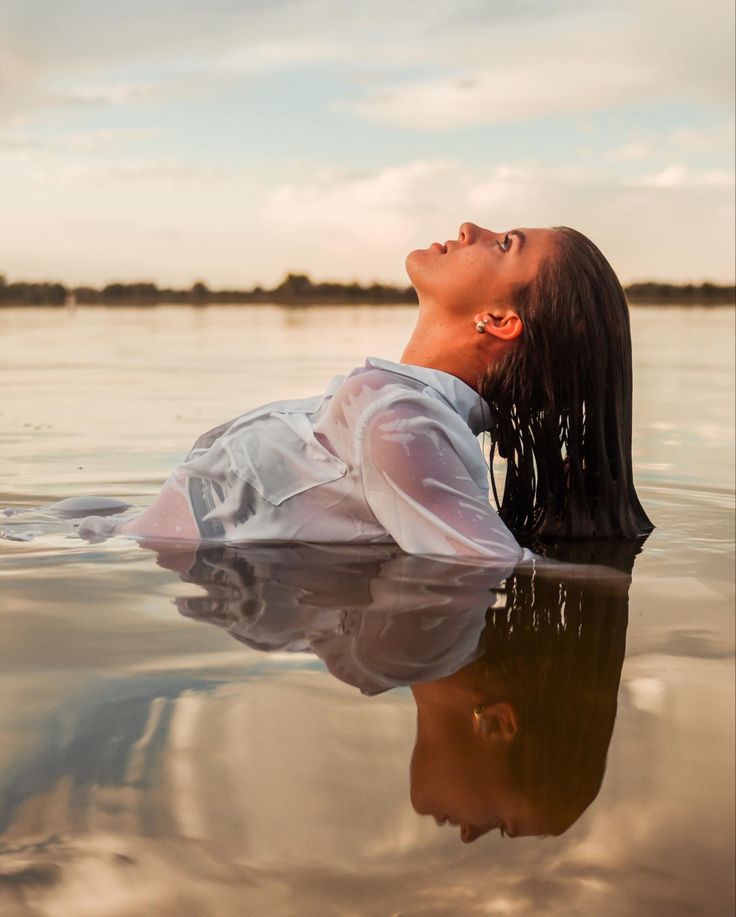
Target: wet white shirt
(387, 453)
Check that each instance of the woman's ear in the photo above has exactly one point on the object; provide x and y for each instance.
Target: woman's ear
(503, 324)
(496, 722)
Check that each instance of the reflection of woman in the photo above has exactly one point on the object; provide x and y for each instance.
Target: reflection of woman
(517, 740)
(524, 334)
(515, 702)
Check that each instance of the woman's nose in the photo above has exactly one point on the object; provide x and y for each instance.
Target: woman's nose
(468, 233)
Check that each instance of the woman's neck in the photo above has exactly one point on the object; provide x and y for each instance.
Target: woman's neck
(450, 345)
(474, 683)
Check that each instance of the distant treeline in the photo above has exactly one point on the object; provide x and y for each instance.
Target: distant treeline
(707, 293)
(298, 289)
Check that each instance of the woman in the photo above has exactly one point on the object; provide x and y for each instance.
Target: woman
(524, 334)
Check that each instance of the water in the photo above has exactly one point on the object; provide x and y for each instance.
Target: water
(150, 763)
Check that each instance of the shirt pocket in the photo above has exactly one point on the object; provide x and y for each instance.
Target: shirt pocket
(279, 455)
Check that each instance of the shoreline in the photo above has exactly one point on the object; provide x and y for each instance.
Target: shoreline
(315, 303)
(298, 290)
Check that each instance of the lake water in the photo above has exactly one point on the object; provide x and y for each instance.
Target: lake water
(150, 763)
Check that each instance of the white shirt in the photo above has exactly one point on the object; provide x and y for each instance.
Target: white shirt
(387, 453)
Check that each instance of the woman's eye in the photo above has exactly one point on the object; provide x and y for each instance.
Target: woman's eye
(506, 244)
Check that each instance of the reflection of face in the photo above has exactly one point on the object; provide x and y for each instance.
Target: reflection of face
(480, 267)
(465, 781)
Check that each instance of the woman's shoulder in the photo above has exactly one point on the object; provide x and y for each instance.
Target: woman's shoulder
(381, 386)
(379, 374)
(373, 386)
(374, 402)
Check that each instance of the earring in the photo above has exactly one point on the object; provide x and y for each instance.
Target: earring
(478, 711)
(480, 327)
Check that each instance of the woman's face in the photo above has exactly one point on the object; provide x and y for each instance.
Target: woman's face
(465, 785)
(480, 268)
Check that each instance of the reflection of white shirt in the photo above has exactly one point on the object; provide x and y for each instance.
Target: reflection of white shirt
(377, 617)
(388, 452)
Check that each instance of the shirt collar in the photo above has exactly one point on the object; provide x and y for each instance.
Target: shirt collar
(464, 399)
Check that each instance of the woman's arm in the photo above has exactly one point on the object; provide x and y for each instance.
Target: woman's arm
(421, 489)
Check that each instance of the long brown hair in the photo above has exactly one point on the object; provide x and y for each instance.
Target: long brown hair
(560, 403)
(558, 647)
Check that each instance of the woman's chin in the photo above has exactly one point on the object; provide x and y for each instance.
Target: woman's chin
(414, 262)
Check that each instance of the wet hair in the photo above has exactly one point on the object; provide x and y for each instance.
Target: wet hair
(557, 649)
(560, 402)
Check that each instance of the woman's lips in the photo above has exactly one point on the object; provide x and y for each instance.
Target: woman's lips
(440, 247)
(446, 820)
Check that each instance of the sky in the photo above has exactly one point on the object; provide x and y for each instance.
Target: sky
(231, 141)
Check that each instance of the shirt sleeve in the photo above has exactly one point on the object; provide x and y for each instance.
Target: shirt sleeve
(416, 458)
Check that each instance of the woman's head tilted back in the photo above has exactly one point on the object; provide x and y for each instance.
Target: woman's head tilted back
(558, 377)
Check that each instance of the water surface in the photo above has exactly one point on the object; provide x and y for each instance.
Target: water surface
(151, 763)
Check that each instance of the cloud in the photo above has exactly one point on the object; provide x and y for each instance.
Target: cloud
(344, 224)
(718, 138)
(179, 218)
(49, 152)
(105, 138)
(444, 64)
(678, 176)
(501, 95)
(674, 143)
(114, 94)
(393, 186)
(629, 151)
(282, 54)
(20, 81)
(361, 226)
(169, 172)
(21, 143)
(564, 64)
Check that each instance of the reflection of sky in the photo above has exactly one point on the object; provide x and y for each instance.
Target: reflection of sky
(236, 141)
(155, 756)
(295, 790)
